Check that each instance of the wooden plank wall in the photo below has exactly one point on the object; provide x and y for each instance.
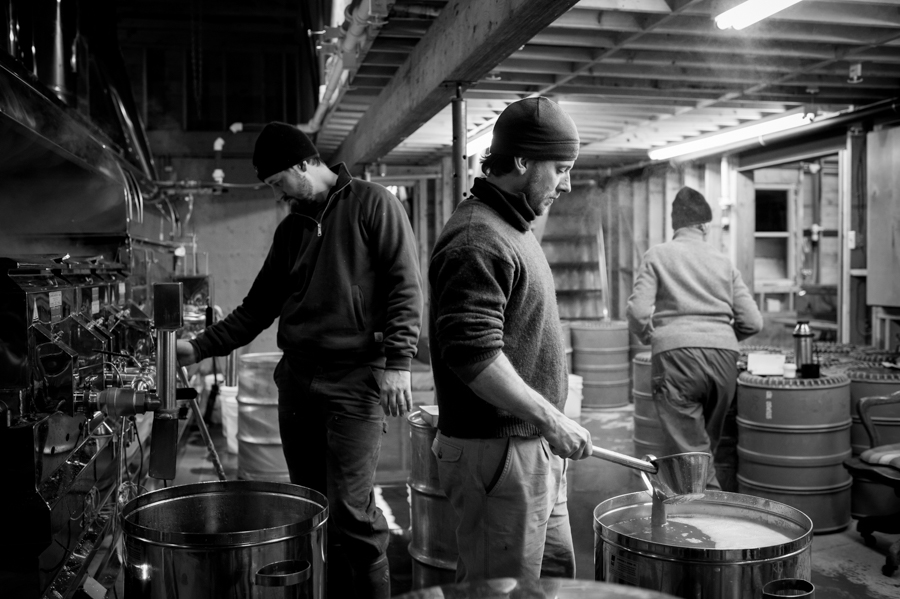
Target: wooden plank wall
(635, 213)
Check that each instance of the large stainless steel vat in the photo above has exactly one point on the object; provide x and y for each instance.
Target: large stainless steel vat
(702, 571)
(226, 540)
(532, 588)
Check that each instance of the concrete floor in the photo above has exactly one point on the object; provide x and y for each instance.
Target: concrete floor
(843, 567)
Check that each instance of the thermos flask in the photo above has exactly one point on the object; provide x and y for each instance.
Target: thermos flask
(803, 344)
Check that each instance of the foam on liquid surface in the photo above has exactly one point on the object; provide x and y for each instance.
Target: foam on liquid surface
(705, 532)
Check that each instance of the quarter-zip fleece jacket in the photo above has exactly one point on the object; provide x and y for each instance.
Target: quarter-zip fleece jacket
(491, 291)
(688, 294)
(344, 283)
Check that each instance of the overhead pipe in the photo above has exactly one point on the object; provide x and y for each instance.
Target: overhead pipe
(358, 21)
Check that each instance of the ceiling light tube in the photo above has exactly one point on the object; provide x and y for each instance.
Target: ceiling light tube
(751, 11)
(731, 136)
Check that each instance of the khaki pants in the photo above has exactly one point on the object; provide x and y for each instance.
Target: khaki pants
(693, 388)
(510, 497)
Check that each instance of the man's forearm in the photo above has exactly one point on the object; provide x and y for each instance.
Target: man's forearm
(501, 386)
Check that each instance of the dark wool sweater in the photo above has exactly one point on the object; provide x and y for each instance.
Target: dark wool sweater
(345, 284)
(492, 291)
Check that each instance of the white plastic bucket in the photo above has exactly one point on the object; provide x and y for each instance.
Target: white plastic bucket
(228, 399)
(576, 394)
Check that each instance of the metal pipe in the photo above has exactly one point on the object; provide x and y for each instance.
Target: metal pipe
(458, 159)
(622, 459)
(204, 432)
(166, 359)
(358, 23)
(167, 317)
(231, 377)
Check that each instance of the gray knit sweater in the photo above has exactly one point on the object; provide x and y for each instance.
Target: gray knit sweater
(688, 294)
(491, 291)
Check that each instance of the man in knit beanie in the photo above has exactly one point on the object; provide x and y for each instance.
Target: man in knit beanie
(342, 277)
(691, 305)
(499, 360)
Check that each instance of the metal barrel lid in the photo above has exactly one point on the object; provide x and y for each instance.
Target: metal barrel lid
(873, 373)
(615, 325)
(224, 514)
(872, 354)
(746, 349)
(713, 503)
(830, 347)
(644, 357)
(775, 382)
(544, 588)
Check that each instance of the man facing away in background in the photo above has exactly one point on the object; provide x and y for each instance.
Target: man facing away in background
(692, 306)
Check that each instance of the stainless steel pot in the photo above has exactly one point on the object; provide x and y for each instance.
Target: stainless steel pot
(702, 571)
(223, 540)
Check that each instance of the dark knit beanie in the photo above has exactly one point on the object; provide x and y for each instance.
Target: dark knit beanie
(279, 147)
(535, 128)
(689, 208)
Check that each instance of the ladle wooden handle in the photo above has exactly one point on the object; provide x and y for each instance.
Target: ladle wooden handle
(622, 459)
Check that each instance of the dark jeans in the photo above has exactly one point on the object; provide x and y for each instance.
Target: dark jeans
(331, 424)
(693, 388)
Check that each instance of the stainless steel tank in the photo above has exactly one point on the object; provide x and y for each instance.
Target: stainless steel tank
(226, 540)
(735, 568)
(532, 588)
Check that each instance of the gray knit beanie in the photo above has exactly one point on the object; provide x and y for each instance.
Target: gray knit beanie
(535, 128)
(689, 208)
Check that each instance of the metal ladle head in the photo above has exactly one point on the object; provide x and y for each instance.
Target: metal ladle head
(678, 478)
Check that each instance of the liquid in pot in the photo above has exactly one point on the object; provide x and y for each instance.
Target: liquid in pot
(705, 532)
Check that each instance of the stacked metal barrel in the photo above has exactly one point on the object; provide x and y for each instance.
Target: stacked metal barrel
(600, 357)
(648, 434)
(433, 544)
(793, 437)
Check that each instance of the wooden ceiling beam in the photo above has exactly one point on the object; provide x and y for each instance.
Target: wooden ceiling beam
(647, 6)
(669, 67)
(465, 42)
(850, 25)
(609, 74)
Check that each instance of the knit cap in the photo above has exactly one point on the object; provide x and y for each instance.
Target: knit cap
(535, 128)
(689, 208)
(279, 147)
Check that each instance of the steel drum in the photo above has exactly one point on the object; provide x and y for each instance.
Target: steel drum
(544, 588)
(732, 546)
(226, 540)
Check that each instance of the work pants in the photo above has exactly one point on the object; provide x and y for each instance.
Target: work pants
(693, 389)
(510, 497)
(331, 424)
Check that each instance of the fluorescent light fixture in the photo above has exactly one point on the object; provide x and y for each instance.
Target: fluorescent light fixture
(475, 146)
(751, 11)
(734, 135)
